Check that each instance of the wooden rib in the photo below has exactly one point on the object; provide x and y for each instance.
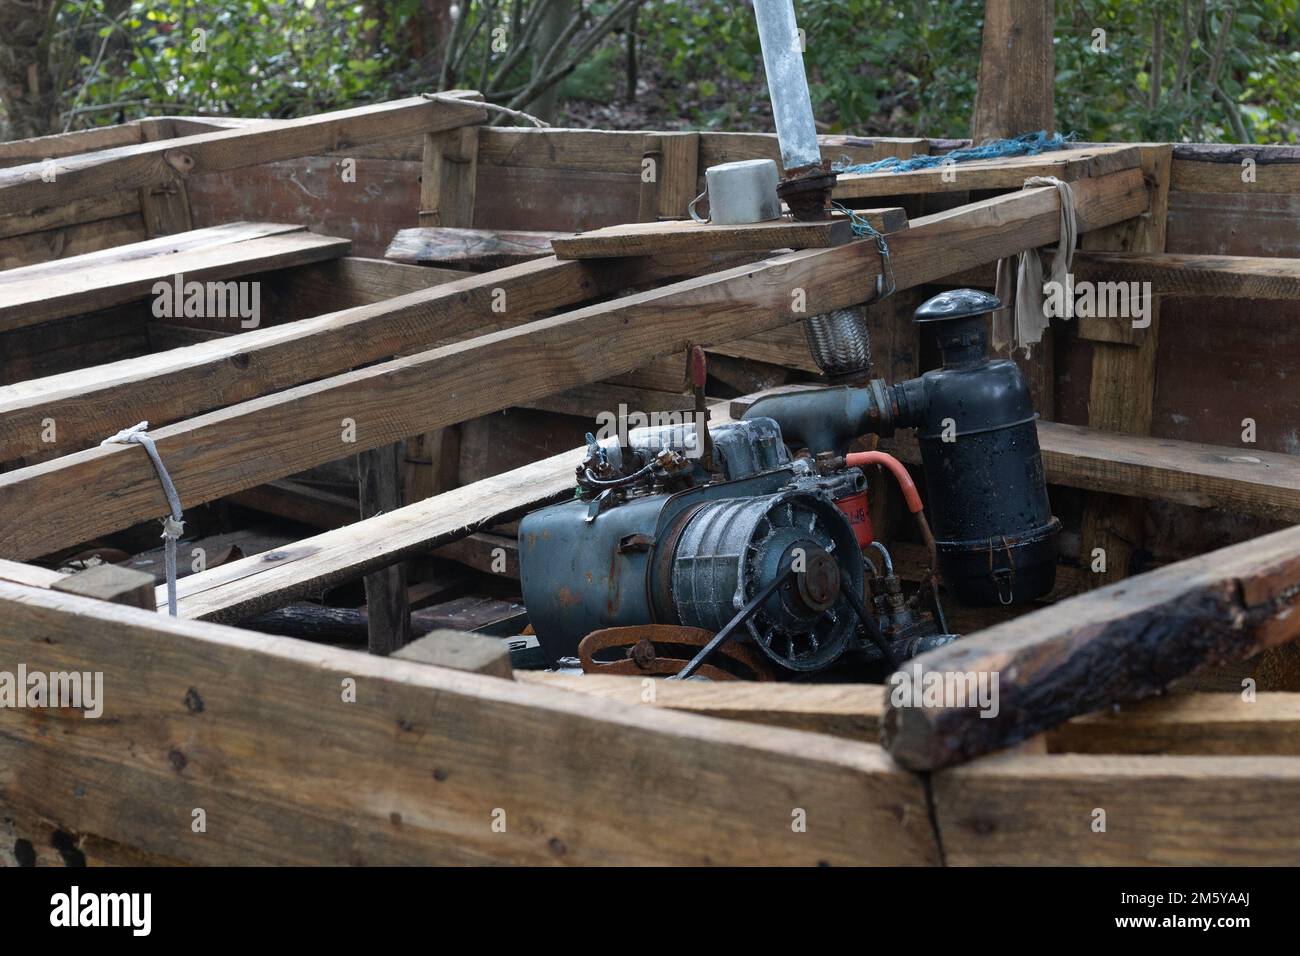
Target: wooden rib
(656, 238)
(210, 237)
(417, 768)
(1222, 724)
(841, 710)
(1244, 277)
(90, 404)
(16, 572)
(1249, 482)
(80, 287)
(274, 436)
(1122, 642)
(1182, 811)
(241, 589)
(1069, 165)
(478, 249)
(28, 187)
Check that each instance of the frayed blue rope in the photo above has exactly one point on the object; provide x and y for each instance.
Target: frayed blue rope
(1030, 144)
(863, 229)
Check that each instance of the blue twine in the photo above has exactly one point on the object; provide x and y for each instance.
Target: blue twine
(1030, 144)
(863, 229)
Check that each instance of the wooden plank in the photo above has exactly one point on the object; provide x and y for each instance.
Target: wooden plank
(165, 388)
(37, 149)
(486, 552)
(656, 238)
(1017, 73)
(224, 451)
(1122, 642)
(240, 589)
(1069, 165)
(669, 176)
(108, 582)
(74, 239)
(22, 188)
(459, 651)
(1188, 724)
(454, 751)
(842, 710)
(1174, 811)
(479, 249)
(447, 178)
(210, 238)
(585, 400)
(379, 490)
(579, 150)
(347, 282)
(16, 572)
(1240, 277)
(1224, 168)
(1247, 482)
(1122, 388)
(165, 206)
(71, 214)
(300, 503)
(86, 287)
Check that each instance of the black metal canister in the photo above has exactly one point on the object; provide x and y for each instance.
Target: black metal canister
(986, 491)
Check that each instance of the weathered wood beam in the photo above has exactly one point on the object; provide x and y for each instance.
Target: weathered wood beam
(1067, 164)
(1188, 724)
(37, 185)
(1239, 277)
(1122, 642)
(456, 752)
(670, 172)
(1017, 74)
(657, 238)
(274, 436)
(1257, 482)
(379, 491)
(240, 589)
(1121, 396)
(842, 710)
(476, 249)
(88, 405)
(110, 582)
(80, 284)
(1180, 811)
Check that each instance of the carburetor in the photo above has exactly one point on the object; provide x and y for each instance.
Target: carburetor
(741, 538)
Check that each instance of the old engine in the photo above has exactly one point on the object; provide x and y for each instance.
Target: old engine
(759, 533)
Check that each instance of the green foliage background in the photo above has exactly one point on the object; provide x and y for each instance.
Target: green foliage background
(883, 67)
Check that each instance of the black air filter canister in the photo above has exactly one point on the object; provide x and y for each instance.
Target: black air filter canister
(987, 494)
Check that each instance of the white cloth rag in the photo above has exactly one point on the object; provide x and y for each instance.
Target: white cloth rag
(1020, 323)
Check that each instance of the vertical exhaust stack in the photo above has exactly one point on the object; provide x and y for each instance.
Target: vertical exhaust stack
(807, 183)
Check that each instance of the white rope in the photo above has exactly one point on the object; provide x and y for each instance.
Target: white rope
(1023, 318)
(173, 524)
(491, 107)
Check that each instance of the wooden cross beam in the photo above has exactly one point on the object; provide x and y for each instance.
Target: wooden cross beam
(40, 184)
